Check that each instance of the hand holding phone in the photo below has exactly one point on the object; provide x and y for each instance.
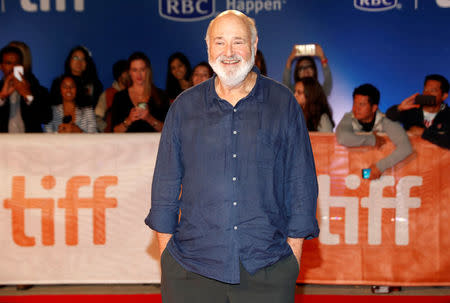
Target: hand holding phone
(18, 72)
(425, 100)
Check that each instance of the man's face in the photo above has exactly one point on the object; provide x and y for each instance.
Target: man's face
(433, 88)
(9, 60)
(230, 50)
(362, 109)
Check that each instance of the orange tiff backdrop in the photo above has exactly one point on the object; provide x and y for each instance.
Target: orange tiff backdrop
(391, 231)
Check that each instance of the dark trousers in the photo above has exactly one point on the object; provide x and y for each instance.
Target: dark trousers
(275, 283)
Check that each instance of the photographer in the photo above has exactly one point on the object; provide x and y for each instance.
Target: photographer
(428, 119)
(23, 102)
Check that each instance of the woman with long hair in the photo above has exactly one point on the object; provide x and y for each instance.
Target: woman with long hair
(142, 107)
(305, 66)
(72, 114)
(178, 75)
(312, 99)
(79, 63)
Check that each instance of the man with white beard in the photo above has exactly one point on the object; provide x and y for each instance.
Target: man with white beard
(238, 145)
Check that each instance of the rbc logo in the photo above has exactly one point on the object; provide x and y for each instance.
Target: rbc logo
(186, 10)
(375, 5)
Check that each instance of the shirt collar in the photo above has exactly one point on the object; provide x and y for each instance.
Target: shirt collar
(256, 94)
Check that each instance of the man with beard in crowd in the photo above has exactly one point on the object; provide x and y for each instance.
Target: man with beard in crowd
(239, 147)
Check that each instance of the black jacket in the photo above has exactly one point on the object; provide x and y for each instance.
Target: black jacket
(34, 115)
(439, 131)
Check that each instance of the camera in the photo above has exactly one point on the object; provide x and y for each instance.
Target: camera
(305, 49)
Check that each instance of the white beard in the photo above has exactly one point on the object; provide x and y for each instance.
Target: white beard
(232, 75)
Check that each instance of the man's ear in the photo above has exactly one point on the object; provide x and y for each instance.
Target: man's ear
(444, 96)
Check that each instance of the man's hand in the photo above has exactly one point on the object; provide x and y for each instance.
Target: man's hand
(379, 140)
(408, 103)
(22, 87)
(416, 130)
(8, 86)
(296, 245)
(163, 239)
(374, 172)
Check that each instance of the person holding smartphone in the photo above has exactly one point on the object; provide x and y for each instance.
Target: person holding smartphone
(361, 127)
(73, 114)
(23, 102)
(304, 55)
(142, 107)
(426, 115)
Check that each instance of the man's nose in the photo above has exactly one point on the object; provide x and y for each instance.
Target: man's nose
(229, 50)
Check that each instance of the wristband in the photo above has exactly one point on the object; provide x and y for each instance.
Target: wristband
(324, 61)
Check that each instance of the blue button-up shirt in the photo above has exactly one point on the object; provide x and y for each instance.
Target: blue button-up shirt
(248, 180)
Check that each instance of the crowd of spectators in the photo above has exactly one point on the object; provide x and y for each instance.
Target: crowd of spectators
(77, 102)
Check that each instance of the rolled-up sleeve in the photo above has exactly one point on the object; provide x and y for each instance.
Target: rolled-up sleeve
(300, 182)
(166, 185)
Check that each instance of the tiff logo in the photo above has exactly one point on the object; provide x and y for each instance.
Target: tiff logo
(18, 203)
(375, 203)
(32, 6)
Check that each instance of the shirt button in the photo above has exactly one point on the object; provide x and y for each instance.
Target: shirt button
(235, 228)
(234, 155)
(235, 110)
(234, 132)
(234, 203)
(234, 178)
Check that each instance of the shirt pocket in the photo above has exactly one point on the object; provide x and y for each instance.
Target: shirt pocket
(266, 150)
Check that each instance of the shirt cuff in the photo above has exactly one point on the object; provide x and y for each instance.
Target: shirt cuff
(162, 221)
(29, 99)
(303, 226)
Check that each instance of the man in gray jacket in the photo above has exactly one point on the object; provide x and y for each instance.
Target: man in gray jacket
(360, 127)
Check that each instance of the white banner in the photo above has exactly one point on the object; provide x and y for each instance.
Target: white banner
(73, 209)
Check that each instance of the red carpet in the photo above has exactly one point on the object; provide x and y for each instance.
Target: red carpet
(156, 298)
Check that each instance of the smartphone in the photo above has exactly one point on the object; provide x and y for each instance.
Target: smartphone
(18, 72)
(425, 100)
(305, 49)
(366, 173)
(142, 105)
(67, 119)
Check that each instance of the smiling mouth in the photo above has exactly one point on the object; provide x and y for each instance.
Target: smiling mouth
(235, 61)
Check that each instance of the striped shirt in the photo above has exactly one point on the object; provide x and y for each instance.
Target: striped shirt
(84, 119)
